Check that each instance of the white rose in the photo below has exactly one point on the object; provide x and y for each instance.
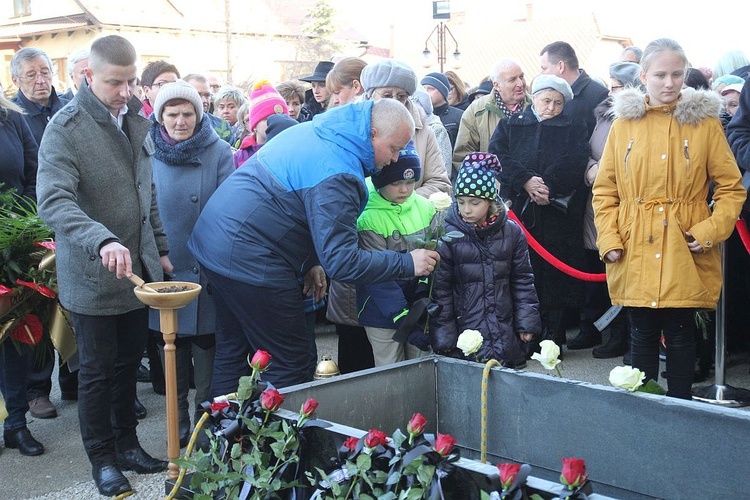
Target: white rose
(548, 356)
(441, 201)
(626, 377)
(469, 342)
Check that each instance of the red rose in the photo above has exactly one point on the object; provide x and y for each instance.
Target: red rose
(444, 444)
(218, 406)
(37, 287)
(271, 400)
(351, 443)
(309, 407)
(260, 360)
(416, 425)
(49, 245)
(508, 473)
(29, 330)
(573, 472)
(375, 437)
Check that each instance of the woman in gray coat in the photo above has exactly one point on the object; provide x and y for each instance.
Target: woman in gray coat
(190, 161)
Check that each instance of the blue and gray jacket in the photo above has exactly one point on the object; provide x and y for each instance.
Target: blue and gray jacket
(295, 204)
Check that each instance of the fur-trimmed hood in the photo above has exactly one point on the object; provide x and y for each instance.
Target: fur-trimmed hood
(692, 105)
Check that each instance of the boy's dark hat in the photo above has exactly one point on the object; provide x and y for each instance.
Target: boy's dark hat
(277, 124)
(484, 88)
(320, 73)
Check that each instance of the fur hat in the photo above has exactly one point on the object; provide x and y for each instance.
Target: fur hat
(388, 73)
(439, 81)
(627, 73)
(407, 167)
(178, 90)
(543, 82)
(264, 102)
(477, 176)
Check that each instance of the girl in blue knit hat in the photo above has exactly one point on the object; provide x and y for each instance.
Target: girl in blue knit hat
(484, 281)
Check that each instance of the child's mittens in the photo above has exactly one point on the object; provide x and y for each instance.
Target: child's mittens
(419, 339)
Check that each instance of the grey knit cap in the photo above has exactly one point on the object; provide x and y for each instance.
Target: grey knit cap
(543, 82)
(178, 90)
(627, 73)
(388, 73)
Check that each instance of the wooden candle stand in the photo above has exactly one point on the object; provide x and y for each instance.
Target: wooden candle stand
(168, 303)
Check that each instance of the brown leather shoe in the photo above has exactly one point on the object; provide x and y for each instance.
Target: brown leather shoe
(42, 407)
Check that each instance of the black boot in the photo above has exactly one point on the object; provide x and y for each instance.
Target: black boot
(617, 345)
(586, 339)
(140, 410)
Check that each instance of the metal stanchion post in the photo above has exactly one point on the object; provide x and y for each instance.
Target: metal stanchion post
(719, 393)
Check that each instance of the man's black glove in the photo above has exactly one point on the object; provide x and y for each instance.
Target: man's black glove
(418, 338)
(420, 312)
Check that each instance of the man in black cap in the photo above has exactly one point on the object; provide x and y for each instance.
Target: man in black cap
(438, 87)
(316, 99)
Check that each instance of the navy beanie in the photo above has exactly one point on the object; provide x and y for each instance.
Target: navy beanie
(477, 175)
(407, 167)
(278, 123)
(439, 81)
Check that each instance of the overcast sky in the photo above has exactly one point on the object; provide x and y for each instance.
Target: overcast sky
(705, 33)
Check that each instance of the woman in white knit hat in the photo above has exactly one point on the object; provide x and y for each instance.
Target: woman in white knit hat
(189, 164)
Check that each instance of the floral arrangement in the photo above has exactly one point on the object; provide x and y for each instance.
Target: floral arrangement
(512, 481)
(376, 466)
(250, 450)
(27, 277)
(253, 453)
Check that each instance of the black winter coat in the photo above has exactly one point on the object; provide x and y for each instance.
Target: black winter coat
(485, 283)
(38, 118)
(588, 93)
(557, 150)
(451, 119)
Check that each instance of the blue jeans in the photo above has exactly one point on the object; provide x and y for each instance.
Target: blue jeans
(110, 350)
(13, 366)
(251, 318)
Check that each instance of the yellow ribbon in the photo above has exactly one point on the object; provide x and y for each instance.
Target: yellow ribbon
(3, 410)
(485, 383)
(61, 332)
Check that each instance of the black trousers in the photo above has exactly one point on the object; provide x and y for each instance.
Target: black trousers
(679, 329)
(110, 350)
(355, 351)
(251, 318)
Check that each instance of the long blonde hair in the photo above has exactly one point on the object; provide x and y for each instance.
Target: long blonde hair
(7, 107)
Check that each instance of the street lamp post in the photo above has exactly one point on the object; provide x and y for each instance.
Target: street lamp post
(441, 10)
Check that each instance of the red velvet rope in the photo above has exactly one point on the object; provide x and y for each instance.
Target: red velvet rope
(744, 233)
(554, 261)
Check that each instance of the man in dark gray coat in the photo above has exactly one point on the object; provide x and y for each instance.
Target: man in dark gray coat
(95, 190)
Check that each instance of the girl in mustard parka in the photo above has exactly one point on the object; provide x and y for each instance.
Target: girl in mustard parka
(656, 232)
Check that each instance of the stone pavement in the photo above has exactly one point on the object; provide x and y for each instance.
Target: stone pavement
(63, 472)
